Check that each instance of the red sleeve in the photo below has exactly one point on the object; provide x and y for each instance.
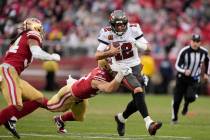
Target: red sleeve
(99, 75)
(34, 35)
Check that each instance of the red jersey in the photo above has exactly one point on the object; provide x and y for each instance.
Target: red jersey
(82, 87)
(19, 54)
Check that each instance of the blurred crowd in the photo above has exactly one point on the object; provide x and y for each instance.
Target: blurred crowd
(74, 24)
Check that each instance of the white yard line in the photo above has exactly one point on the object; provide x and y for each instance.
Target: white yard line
(96, 136)
(130, 136)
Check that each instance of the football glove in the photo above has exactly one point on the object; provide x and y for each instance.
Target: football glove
(126, 70)
(122, 71)
(70, 80)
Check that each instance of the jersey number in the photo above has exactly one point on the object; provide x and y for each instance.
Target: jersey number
(126, 51)
(85, 77)
(13, 49)
(15, 46)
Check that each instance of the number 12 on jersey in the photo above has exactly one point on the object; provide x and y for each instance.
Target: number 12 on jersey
(126, 51)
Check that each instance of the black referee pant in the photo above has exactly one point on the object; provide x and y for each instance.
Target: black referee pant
(187, 88)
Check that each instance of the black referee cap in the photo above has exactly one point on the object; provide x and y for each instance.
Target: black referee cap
(196, 37)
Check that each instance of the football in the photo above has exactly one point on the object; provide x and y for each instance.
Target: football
(116, 44)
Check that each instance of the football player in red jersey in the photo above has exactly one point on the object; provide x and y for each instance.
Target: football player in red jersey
(75, 94)
(23, 48)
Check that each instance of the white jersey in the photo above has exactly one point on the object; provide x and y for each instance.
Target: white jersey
(129, 53)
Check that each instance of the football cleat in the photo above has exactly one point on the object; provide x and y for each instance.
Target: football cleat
(154, 126)
(120, 126)
(174, 122)
(60, 125)
(185, 110)
(11, 126)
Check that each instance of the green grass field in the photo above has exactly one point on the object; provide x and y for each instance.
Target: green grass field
(100, 125)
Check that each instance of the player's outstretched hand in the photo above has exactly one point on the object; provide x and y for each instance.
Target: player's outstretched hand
(70, 80)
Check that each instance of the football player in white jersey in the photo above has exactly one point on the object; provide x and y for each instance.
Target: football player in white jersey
(119, 43)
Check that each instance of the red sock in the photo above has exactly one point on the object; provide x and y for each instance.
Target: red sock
(8, 112)
(44, 103)
(28, 107)
(68, 116)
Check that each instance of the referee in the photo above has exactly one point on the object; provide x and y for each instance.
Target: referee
(191, 61)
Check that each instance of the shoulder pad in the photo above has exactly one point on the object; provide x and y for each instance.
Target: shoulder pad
(107, 29)
(34, 35)
(134, 25)
(104, 35)
(136, 30)
(204, 49)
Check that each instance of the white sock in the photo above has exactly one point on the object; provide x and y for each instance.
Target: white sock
(148, 121)
(13, 118)
(121, 118)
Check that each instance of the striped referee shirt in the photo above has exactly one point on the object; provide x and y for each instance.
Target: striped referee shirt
(191, 59)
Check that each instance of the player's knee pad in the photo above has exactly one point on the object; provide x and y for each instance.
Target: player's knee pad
(138, 90)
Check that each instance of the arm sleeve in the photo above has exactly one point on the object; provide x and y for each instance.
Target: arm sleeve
(142, 40)
(38, 53)
(141, 45)
(180, 62)
(137, 34)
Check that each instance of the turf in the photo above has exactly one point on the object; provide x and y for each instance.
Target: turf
(100, 125)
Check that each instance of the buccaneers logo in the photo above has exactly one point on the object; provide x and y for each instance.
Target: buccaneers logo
(110, 37)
